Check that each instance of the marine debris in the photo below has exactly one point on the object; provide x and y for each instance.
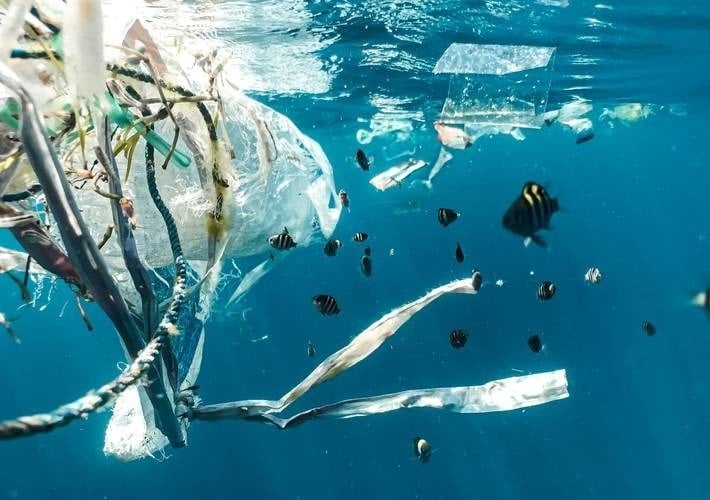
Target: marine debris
(153, 180)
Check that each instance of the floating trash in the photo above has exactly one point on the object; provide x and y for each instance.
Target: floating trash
(394, 176)
(627, 113)
(496, 84)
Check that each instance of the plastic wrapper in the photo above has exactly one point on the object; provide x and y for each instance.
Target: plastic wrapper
(394, 176)
(496, 84)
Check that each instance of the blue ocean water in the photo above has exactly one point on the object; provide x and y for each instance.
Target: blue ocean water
(633, 204)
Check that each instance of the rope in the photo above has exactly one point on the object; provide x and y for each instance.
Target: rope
(82, 407)
(170, 318)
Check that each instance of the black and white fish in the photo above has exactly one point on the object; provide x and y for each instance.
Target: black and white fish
(531, 212)
(648, 328)
(447, 216)
(366, 265)
(282, 241)
(535, 344)
(459, 253)
(458, 338)
(360, 237)
(326, 304)
(593, 275)
(422, 449)
(362, 160)
(368, 251)
(310, 349)
(331, 247)
(546, 290)
(476, 280)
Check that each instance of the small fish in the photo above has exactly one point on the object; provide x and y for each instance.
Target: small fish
(458, 338)
(331, 247)
(392, 252)
(546, 290)
(459, 253)
(452, 137)
(310, 349)
(535, 344)
(447, 216)
(648, 328)
(530, 212)
(344, 200)
(368, 251)
(593, 275)
(362, 160)
(477, 280)
(366, 265)
(422, 449)
(500, 282)
(360, 237)
(282, 241)
(326, 305)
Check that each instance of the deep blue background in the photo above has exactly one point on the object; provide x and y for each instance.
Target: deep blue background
(634, 204)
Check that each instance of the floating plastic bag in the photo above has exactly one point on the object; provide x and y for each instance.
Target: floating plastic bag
(496, 84)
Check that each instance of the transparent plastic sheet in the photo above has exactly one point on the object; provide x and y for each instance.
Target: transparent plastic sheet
(492, 59)
(504, 85)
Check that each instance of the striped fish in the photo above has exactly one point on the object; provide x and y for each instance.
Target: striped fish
(331, 247)
(282, 241)
(546, 291)
(447, 215)
(360, 237)
(530, 212)
(326, 305)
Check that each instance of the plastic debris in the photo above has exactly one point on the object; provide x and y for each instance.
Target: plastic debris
(394, 176)
(496, 84)
(571, 115)
(492, 59)
(627, 113)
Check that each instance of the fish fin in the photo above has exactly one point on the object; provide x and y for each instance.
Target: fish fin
(538, 240)
(527, 241)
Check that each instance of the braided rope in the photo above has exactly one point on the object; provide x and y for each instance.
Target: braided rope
(179, 289)
(82, 407)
